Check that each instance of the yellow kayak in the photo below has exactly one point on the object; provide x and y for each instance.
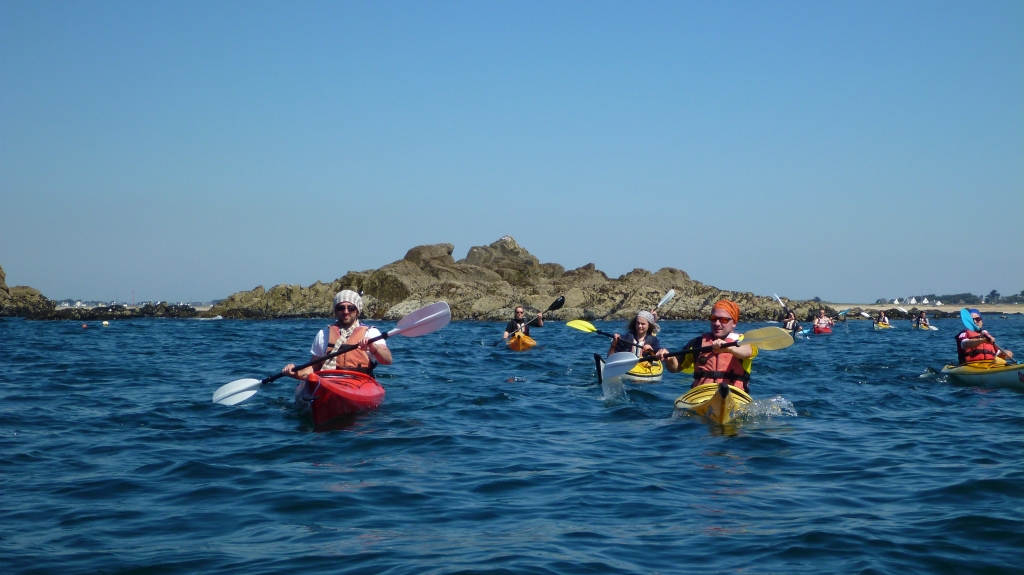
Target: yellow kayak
(988, 374)
(718, 402)
(519, 341)
(923, 327)
(882, 326)
(646, 372)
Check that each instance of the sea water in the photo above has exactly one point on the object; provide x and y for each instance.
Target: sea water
(859, 457)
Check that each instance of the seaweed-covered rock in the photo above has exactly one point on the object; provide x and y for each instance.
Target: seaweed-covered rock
(491, 281)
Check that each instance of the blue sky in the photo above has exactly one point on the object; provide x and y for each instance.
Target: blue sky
(190, 150)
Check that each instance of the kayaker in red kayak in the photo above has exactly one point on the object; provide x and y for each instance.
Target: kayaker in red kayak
(642, 331)
(722, 364)
(978, 345)
(346, 331)
(519, 323)
(823, 323)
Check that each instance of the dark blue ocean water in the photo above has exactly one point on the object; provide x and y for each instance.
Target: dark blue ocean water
(858, 459)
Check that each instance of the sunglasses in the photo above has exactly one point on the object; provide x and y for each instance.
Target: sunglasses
(723, 320)
(345, 308)
(976, 319)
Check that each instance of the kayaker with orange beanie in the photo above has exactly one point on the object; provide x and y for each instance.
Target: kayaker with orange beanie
(722, 364)
(978, 345)
(346, 331)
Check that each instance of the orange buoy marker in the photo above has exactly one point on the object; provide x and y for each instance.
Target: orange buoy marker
(84, 326)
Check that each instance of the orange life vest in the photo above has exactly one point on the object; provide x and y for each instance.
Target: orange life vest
(983, 352)
(711, 367)
(355, 360)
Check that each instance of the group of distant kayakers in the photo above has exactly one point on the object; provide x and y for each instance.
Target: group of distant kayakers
(721, 361)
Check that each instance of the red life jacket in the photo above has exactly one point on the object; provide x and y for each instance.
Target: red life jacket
(711, 367)
(983, 352)
(355, 360)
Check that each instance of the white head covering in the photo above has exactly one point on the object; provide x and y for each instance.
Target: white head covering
(653, 329)
(350, 297)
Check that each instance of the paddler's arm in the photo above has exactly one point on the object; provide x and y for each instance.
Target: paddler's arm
(379, 350)
(672, 364)
(740, 351)
(615, 345)
(302, 373)
(540, 319)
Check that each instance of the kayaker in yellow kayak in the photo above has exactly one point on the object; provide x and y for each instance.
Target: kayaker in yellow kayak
(520, 324)
(346, 331)
(790, 324)
(881, 319)
(921, 322)
(978, 345)
(641, 336)
(723, 364)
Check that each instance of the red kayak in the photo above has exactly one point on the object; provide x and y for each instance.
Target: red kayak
(826, 329)
(329, 394)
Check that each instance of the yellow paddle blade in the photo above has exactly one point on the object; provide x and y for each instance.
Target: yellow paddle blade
(582, 325)
(768, 338)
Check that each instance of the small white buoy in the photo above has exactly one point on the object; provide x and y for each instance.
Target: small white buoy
(106, 323)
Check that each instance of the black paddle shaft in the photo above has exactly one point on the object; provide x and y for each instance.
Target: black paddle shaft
(612, 336)
(684, 352)
(344, 349)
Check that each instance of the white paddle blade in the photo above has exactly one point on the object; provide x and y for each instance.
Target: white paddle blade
(424, 320)
(671, 294)
(619, 363)
(865, 315)
(236, 391)
(902, 310)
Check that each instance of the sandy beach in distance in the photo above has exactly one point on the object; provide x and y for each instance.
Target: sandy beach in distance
(999, 308)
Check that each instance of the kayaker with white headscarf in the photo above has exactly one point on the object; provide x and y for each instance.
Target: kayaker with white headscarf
(346, 331)
(642, 332)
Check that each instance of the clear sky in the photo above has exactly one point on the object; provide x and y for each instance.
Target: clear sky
(189, 150)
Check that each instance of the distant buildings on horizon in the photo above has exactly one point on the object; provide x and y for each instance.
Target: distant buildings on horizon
(77, 303)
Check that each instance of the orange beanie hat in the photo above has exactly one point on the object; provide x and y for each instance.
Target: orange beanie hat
(730, 307)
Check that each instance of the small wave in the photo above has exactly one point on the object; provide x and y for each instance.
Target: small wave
(766, 409)
(614, 392)
(210, 318)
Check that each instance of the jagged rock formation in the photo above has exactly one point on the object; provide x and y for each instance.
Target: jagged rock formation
(5, 292)
(492, 280)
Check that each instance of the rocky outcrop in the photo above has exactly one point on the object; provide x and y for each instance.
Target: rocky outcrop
(26, 302)
(492, 280)
(5, 292)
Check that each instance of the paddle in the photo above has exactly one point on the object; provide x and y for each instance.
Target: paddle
(766, 338)
(671, 294)
(420, 322)
(968, 321)
(589, 328)
(557, 304)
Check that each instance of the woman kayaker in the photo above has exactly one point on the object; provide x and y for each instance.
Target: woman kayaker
(642, 332)
(519, 323)
(922, 321)
(823, 323)
(346, 331)
(978, 345)
(790, 324)
(881, 319)
(722, 364)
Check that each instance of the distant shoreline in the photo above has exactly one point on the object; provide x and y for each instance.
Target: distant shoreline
(984, 308)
